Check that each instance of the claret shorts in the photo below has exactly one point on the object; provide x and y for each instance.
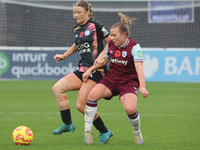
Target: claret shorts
(118, 89)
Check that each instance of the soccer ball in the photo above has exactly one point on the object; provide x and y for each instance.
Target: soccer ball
(22, 135)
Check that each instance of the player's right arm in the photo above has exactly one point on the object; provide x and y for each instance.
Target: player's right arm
(97, 65)
(70, 51)
(94, 67)
(100, 58)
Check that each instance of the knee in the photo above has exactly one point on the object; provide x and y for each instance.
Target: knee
(53, 89)
(80, 107)
(56, 89)
(130, 111)
(92, 95)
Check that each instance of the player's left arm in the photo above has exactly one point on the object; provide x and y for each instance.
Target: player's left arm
(138, 60)
(105, 35)
(140, 72)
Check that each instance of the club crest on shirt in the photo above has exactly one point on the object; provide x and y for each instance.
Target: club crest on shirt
(124, 54)
(87, 32)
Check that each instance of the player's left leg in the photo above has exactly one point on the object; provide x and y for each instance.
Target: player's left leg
(129, 102)
(68, 83)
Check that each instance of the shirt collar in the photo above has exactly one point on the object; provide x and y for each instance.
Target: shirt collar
(127, 42)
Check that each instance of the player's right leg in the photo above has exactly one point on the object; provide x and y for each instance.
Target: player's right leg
(98, 92)
(68, 83)
(82, 100)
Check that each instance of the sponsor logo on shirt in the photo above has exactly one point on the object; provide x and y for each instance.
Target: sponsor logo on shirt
(105, 32)
(83, 47)
(139, 53)
(124, 62)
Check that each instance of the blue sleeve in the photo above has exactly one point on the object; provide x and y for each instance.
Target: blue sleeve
(137, 53)
(106, 56)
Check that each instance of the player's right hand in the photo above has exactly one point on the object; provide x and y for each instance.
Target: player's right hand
(99, 60)
(59, 57)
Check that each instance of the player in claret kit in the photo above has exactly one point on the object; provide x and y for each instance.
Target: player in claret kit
(124, 77)
(89, 36)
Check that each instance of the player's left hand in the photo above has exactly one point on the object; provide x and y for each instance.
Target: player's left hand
(144, 92)
(85, 76)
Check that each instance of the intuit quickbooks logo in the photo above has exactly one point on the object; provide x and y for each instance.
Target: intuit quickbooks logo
(4, 63)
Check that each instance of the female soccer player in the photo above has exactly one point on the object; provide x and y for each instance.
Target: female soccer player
(124, 78)
(89, 36)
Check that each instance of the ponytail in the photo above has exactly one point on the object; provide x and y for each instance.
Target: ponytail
(124, 24)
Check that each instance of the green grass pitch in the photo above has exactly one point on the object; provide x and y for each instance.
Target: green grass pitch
(170, 118)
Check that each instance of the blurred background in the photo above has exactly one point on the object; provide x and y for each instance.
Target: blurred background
(33, 31)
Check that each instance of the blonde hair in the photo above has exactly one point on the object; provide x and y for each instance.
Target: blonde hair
(124, 24)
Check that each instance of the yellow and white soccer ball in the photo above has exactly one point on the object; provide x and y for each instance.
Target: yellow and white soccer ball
(22, 135)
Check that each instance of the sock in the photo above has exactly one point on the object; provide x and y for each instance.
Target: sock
(66, 116)
(135, 122)
(99, 125)
(90, 111)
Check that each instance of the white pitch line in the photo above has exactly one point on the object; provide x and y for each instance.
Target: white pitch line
(29, 113)
(106, 114)
(153, 115)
